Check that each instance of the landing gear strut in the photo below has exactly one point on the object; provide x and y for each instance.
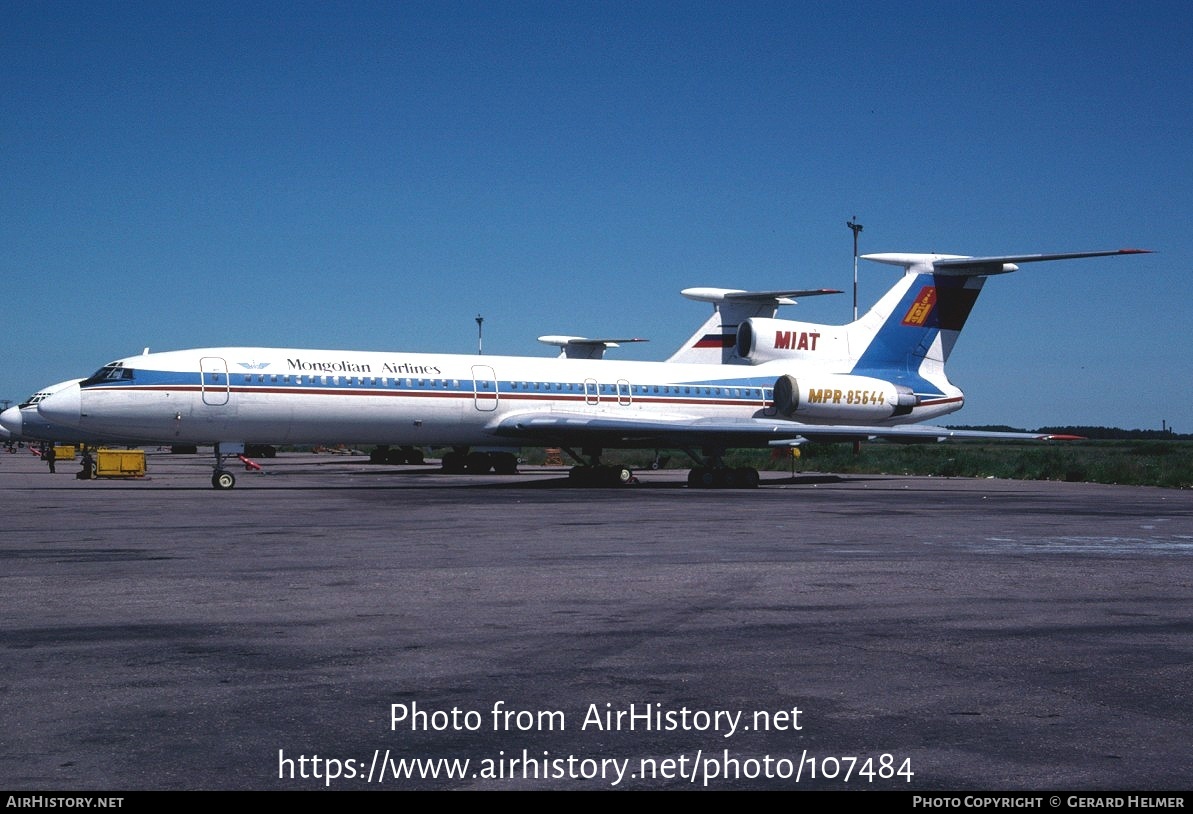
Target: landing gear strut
(711, 473)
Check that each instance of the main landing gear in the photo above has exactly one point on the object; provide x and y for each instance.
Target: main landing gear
(601, 475)
(462, 462)
(593, 473)
(723, 477)
(382, 454)
(711, 473)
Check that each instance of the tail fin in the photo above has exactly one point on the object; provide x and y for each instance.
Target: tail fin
(714, 342)
(908, 335)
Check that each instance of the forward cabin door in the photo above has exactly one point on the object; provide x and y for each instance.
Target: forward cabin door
(213, 381)
(484, 388)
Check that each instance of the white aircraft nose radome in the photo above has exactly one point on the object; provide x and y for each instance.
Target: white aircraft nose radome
(11, 421)
(62, 407)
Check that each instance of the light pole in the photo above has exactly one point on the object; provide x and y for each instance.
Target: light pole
(854, 227)
(480, 335)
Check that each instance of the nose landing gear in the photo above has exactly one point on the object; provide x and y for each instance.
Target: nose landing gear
(223, 478)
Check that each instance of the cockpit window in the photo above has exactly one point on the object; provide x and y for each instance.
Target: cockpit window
(116, 371)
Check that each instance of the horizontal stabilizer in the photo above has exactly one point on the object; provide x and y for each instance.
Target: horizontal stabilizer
(962, 266)
(579, 347)
(715, 295)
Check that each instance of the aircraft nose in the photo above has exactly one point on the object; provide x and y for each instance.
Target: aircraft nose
(10, 420)
(62, 407)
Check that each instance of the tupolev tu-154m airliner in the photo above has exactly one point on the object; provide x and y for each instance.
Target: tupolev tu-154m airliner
(756, 381)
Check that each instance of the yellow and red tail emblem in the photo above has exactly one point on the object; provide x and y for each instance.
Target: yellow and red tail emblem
(919, 311)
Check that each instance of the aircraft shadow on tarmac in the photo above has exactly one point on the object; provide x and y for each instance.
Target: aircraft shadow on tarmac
(402, 481)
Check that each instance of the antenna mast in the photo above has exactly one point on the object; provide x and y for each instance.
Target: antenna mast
(854, 227)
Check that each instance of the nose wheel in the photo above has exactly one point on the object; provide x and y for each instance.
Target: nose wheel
(221, 478)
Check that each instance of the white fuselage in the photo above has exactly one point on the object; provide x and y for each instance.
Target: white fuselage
(294, 396)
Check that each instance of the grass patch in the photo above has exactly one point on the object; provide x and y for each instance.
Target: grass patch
(1136, 463)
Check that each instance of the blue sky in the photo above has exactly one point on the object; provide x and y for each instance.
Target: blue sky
(373, 176)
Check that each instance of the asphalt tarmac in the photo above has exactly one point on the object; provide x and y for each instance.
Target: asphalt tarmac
(332, 624)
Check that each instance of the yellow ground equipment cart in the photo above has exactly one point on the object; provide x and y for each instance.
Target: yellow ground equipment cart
(119, 463)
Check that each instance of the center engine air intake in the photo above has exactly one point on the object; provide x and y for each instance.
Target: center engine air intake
(837, 396)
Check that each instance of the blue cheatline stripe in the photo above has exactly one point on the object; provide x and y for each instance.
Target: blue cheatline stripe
(732, 392)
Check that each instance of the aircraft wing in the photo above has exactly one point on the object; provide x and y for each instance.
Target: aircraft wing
(574, 429)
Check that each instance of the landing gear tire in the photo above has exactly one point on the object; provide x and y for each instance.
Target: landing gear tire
(505, 463)
(747, 478)
(453, 463)
(704, 477)
(478, 463)
(223, 479)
